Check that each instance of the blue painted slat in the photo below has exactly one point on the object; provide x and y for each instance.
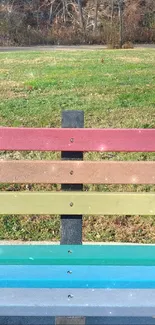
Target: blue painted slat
(43, 276)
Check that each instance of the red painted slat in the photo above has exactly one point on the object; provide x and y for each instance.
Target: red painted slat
(132, 140)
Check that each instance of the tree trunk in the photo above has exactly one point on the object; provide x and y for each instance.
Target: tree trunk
(81, 14)
(120, 10)
(96, 15)
(64, 10)
(112, 21)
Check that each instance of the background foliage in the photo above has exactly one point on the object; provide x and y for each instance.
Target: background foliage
(28, 22)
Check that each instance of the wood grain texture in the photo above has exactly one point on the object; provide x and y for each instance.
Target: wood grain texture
(77, 172)
(76, 203)
(132, 140)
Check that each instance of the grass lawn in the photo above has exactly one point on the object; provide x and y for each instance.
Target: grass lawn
(115, 88)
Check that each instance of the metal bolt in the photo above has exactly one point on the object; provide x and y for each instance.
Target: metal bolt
(70, 296)
(69, 251)
(71, 140)
(71, 172)
(69, 272)
(71, 204)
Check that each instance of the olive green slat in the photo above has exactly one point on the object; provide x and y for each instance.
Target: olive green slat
(75, 203)
(77, 172)
(77, 255)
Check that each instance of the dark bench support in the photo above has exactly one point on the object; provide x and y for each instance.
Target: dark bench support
(71, 226)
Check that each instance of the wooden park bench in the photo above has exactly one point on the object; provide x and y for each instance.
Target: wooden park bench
(96, 284)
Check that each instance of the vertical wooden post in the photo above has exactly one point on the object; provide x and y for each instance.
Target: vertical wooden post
(71, 226)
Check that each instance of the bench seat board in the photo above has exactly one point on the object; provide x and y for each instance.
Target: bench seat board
(77, 203)
(71, 276)
(46, 139)
(116, 321)
(35, 320)
(77, 302)
(77, 172)
(77, 255)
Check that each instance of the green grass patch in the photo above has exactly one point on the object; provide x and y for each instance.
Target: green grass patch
(115, 88)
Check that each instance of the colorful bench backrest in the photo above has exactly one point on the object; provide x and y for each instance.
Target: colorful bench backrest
(64, 172)
(104, 259)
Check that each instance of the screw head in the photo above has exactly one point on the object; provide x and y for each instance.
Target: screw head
(71, 172)
(69, 272)
(71, 140)
(71, 204)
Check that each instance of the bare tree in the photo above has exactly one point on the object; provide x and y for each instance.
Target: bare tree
(81, 14)
(96, 14)
(120, 11)
(135, 18)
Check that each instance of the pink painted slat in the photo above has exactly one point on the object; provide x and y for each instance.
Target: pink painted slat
(77, 172)
(132, 140)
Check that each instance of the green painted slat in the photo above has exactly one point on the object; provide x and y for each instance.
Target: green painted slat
(77, 255)
(74, 203)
